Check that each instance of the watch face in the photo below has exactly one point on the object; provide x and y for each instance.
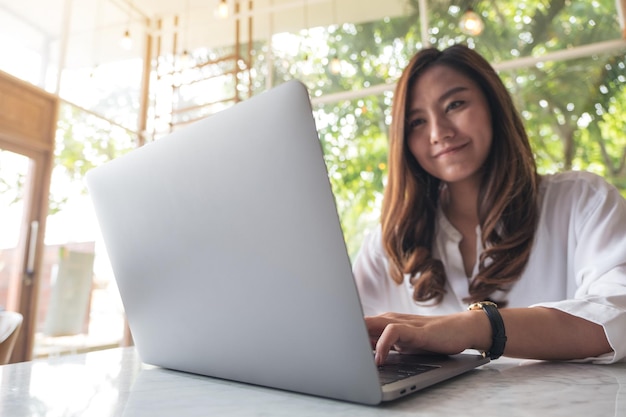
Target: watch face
(481, 305)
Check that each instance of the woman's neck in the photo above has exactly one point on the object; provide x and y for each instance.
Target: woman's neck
(459, 203)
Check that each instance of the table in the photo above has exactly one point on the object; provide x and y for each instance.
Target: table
(115, 382)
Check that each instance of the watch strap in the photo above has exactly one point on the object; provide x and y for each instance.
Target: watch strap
(498, 341)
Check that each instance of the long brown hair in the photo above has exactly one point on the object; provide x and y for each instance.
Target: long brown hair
(507, 201)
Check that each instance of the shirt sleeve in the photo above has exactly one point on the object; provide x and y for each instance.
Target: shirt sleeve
(370, 274)
(597, 231)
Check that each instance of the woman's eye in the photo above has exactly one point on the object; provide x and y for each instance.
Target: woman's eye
(415, 122)
(455, 104)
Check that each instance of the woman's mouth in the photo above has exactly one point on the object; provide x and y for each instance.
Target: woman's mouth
(450, 150)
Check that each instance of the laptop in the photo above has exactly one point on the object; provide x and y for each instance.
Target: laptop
(228, 253)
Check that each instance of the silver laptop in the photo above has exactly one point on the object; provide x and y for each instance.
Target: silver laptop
(230, 260)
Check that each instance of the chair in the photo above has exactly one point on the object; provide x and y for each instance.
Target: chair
(67, 318)
(68, 307)
(10, 324)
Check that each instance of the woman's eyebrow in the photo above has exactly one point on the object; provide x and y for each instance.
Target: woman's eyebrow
(452, 92)
(441, 99)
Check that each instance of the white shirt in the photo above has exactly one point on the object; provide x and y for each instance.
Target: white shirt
(577, 263)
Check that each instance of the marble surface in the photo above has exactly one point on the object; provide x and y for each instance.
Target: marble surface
(115, 383)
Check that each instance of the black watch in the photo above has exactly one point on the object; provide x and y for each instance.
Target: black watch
(497, 326)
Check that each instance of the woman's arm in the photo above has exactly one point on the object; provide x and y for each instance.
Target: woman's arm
(533, 333)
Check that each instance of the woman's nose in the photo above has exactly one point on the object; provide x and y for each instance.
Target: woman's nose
(441, 129)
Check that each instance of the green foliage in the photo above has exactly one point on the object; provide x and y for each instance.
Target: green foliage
(12, 179)
(83, 141)
(573, 109)
(355, 146)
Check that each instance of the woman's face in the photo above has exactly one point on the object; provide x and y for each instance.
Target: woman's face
(449, 125)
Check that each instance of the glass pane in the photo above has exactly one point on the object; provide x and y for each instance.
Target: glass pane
(514, 29)
(583, 130)
(346, 57)
(110, 90)
(21, 58)
(197, 83)
(354, 138)
(14, 170)
(79, 304)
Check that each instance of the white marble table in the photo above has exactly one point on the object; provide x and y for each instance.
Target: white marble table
(115, 383)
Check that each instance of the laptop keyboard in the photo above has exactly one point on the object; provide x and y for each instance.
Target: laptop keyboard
(401, 367)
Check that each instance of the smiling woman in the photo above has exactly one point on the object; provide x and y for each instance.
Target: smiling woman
(467, 219)
(450, 136)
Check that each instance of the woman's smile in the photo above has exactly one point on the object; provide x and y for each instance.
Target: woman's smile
(451, 150)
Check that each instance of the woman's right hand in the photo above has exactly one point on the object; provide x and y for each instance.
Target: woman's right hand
(407, 333)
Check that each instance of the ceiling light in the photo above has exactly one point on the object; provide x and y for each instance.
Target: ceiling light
(127, 41)
(186, 60)
(335, 65)
(471, 23)
(222, 10)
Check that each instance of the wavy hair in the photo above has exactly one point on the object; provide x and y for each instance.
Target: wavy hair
(508, 197)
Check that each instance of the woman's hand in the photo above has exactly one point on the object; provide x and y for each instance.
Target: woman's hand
(534, 333)
(447, 335)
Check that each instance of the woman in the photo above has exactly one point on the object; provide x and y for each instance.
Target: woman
(466, 219)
